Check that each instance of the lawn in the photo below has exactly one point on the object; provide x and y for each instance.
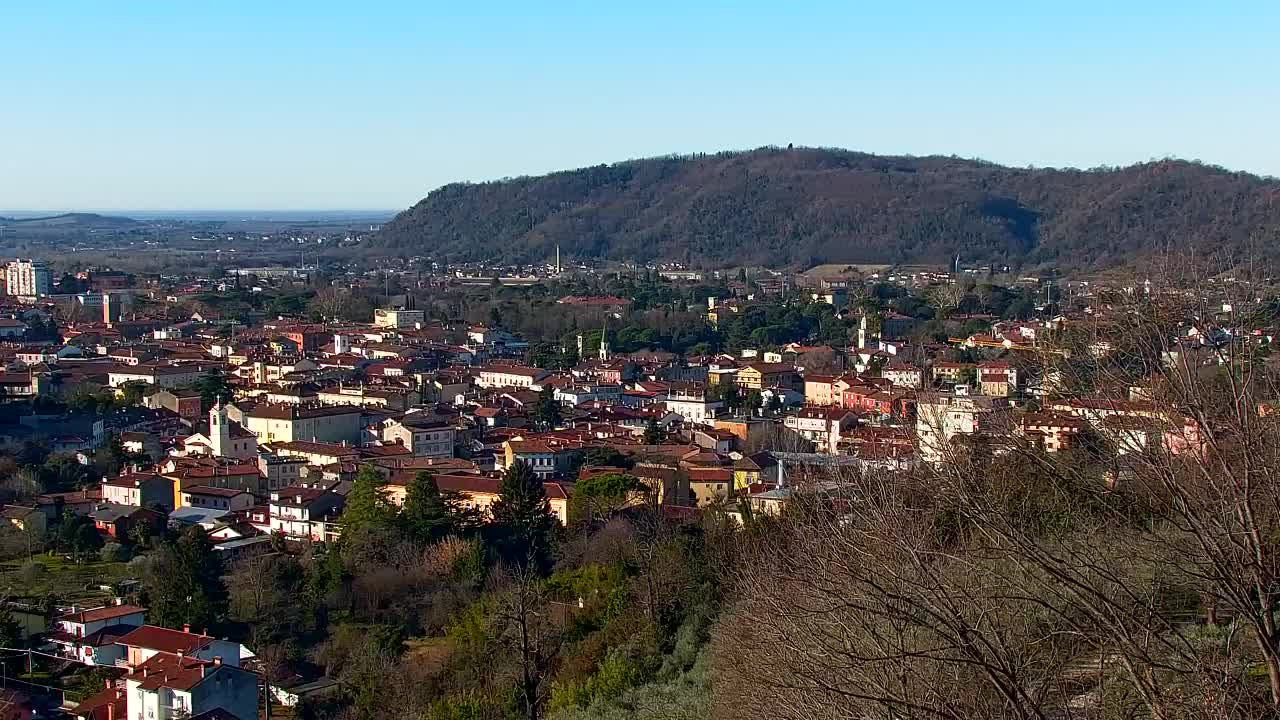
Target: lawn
(69, 582)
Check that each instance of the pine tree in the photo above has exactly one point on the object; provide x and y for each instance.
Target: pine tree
(522, 519)
(427, 515)
(547, 409)
(183, 584)
(367, 506)
(10, 629)
(653, 435)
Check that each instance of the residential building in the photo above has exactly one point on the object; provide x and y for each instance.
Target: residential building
(504, 376)
(423, 437)
(903, 375)
(304, 512)
(477, 491)
(709, 485)
(822, 425)
(149, 641)
(139, 490)
(91, 636)
(1050, 431)
(162, 376)
(216, 498)
(691, 403)
(941, 417)
(398, 319)
(758, 376)
(279, 471)
(288, 423)
(174, 686)
(28, 278)
(185, 402)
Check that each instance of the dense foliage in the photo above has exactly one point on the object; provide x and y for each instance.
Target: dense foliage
(808, 206)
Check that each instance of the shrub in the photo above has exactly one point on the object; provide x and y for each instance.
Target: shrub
(113, 552)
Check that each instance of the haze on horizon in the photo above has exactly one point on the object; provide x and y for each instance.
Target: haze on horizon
(258, 106)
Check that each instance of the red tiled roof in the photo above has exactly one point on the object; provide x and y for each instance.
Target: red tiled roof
(103, 613)
(165, 640)
(166, 670)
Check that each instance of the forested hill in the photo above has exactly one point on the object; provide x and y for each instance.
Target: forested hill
(806, 206)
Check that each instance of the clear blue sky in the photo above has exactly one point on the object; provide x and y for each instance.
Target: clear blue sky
(275, 104)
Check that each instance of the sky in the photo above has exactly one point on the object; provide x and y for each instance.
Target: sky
(370, 105)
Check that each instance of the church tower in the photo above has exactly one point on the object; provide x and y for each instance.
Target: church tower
(219, 430)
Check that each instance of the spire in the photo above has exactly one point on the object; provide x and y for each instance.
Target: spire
(604, 340)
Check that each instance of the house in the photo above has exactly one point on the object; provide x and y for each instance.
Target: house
(692, 403)
(941, 417)
(142, 443)
(26, 518)
(159, 375)
(820, 390)
(757, 376)
(139, 490)
(1050, 431)
(280, 471)
(547, 455)
(709, 485)
(423, 436)
(478, 492)
(822, 425)
(119, 521)
(320, 423)
(503, 376)
(758, 469)
(172, 686)
(186, 403)
(149, 641)
(107, 704)
(216, 498)
(91, 636)
(904, 375)
(398, 319)
(304, 512)
(23, 385)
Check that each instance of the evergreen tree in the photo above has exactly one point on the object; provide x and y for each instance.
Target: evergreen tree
(183, 583)
(429, 514)
(522, 519)
(10, 629)
(367, 506)
(547, 410)
(653, 435)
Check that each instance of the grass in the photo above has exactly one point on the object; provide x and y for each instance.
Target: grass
(65, 580)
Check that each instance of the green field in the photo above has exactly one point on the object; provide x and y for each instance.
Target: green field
(69, 582)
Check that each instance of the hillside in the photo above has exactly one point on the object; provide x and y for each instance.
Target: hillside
(806, 206)
(72, 220)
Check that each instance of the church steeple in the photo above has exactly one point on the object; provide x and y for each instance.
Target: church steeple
(604, 341)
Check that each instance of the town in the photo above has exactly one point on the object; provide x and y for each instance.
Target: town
(173, 443)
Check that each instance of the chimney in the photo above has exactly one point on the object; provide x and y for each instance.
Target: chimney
(144, 672)
(108, 683)
(217, 661)
(186, 628)
(111, 710)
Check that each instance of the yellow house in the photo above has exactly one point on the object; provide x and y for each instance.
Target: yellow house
(758, 376)
(478, 491)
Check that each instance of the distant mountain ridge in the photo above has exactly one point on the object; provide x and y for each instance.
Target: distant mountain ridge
(800, 207)
(73, 219)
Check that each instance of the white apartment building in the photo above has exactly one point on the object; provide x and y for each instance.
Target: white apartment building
(940, 417)
(693, 405)
(399, 319)
(27, 278)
